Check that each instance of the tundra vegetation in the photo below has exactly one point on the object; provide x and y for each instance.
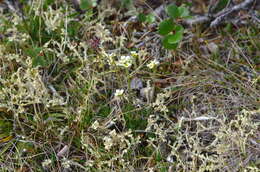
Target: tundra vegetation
(109, 86)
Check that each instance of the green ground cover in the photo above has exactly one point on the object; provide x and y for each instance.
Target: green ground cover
(98, 92)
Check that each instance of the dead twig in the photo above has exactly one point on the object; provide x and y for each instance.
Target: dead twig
(254, 16)
(197, 20)
(226, 13)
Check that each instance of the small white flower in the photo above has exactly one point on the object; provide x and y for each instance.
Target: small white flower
(66, 163)
(89, 163)
(95, 125)
(113, 133)
(153, 64)
(46, 163)
(110, 57)
(108, 142)
(125, 61)
(134, 53)
(119, 93)
(170, 158)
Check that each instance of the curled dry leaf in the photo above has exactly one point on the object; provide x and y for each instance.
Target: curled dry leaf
(63, 151)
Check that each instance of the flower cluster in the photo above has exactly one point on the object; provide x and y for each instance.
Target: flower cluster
(153, 64)
(134, 53)
(46, 163)
(95, 125)
(125, 61)
(66, 163)
(123, 140)
(119, 93)
(159, 104)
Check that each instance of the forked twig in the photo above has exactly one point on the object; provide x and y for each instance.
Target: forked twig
(222, 16)
(226, 13)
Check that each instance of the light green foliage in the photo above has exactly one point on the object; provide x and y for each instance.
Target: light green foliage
(87, 4)
(173, 11)
(166, 27)
(68, 100)
(146, 18)
(171, 31)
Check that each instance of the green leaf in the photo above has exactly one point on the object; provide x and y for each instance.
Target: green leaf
(146, 18)
(166, 27)
(184, 11)
(167, 45)
(150, 18)
(178, 28)
(141, 17)
(86, 4)
(126, 3)
(37, 60)
(173, 11)
(48, 3)
(73, 28)
(33, 52)
(175, 38)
